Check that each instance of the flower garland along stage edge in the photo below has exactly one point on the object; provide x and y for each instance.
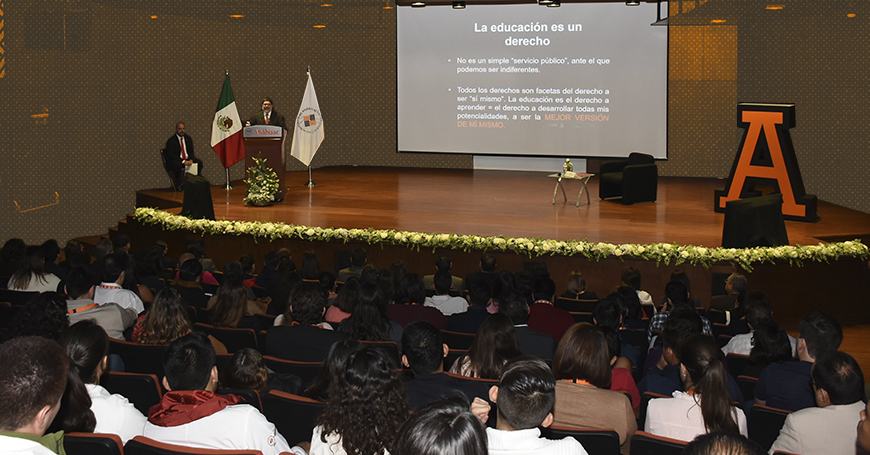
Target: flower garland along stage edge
(262, 183)
(661, 253)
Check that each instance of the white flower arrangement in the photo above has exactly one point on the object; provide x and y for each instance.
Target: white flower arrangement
(662, 253)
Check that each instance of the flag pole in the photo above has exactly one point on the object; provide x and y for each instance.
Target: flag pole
(229, 187)
(310, 183)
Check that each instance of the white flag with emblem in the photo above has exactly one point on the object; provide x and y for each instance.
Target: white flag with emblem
(308, 133)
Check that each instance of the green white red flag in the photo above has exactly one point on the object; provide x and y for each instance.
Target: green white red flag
(226, 128)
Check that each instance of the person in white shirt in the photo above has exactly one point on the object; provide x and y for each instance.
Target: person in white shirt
(705, 406)
(757, 313)
(192, 415)
(442, 300)
(87, 345)
(113, 273)
(525, 397)
(31, 276)
(32, 382)
(831, 427)
(80, 305)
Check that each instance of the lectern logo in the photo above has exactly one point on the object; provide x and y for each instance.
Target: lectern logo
(224, 123)
(309, 120)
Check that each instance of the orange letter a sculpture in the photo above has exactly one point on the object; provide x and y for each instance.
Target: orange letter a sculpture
(766, 156)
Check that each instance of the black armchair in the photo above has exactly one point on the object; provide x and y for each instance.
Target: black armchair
(634, 179)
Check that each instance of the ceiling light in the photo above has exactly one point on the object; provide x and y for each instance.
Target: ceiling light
(718, 21)
(632, 3)
(418, 4)
(774, 7)
(459, 5)
(236, 16)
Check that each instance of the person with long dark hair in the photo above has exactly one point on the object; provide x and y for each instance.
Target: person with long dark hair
(166, 321)
(87, 345)
(494, 344)
(705, 406)
(583, 395)
(31, 274)
(445, 427)
(332, 371)
(369, 321)
(365, 414)
(342, 306)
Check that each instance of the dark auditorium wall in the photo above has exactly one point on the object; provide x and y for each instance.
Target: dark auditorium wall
(90, 91)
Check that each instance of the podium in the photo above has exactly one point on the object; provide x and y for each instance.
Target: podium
(267, 141)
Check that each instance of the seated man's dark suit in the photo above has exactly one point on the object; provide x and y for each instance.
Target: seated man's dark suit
(535, 343)
(469, 321)
(787, 385)
(426, 388)
(172, 153)
(275, 119)
(302, 343)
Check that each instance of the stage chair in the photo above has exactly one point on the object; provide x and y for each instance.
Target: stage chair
(143, 390)
(92, 444)
(140, 445)
(457, 340)
(764, 424)
(293, 415)
(307, 371)
(139, 358)
(176, 186)
(755, 221)
(233, 339)
(598, 441)
(643, 443)
(634, 179)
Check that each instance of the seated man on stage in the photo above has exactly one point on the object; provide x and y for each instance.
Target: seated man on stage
(179, 155)
(268, 116)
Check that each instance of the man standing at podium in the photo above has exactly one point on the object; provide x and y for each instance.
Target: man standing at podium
(179, 154)
(268, 116)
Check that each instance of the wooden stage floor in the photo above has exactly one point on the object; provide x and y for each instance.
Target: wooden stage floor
(508, 203)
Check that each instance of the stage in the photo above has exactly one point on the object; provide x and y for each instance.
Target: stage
(508, 203)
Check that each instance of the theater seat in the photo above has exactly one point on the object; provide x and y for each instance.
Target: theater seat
(140, 445)
(643, 443)
(92, 444)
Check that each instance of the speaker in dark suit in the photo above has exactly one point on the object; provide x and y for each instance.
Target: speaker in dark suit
(172, 153)
(274, 117)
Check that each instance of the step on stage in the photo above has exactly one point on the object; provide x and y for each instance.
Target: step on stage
(518, 204)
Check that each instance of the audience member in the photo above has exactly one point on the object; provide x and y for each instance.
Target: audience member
(576, 288)
(113, 273)
(442, 300)
(87, 345)
(583, 395)
(486, 272)
(525, 395)
(829, 428)
(723, 444)
(469, 321)
(788, 385)
(331, 375)
(10, 259)
(191, 414)
(303, 335)
(629, 304)
(369, 321)
(102, 249)
(51, 253)
(424, 353)
(357, 262)
(678, 297)
(543, 316)
(620, 369)
(631, 278)
(43, 316)
(194, 251)
(166, 321)
(757, 312)
(246, 370)
(31, 274)
(864, 430)
(286, 279)
(493, 345)
(606, 313)
(342, 307)
(233, 308)
(363, 416)
(188, 286)
(112, 317)
(270, 267)
(736, 286)
(665, 378)
(410, 304)
(531, 342)
(445, 427)
(310, 265)
(120, 243)
(248, 264)
(705, 406)
(444, 264)
(71, 251)
(32, 382)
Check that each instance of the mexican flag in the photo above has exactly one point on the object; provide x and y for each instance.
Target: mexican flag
(226, 128)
